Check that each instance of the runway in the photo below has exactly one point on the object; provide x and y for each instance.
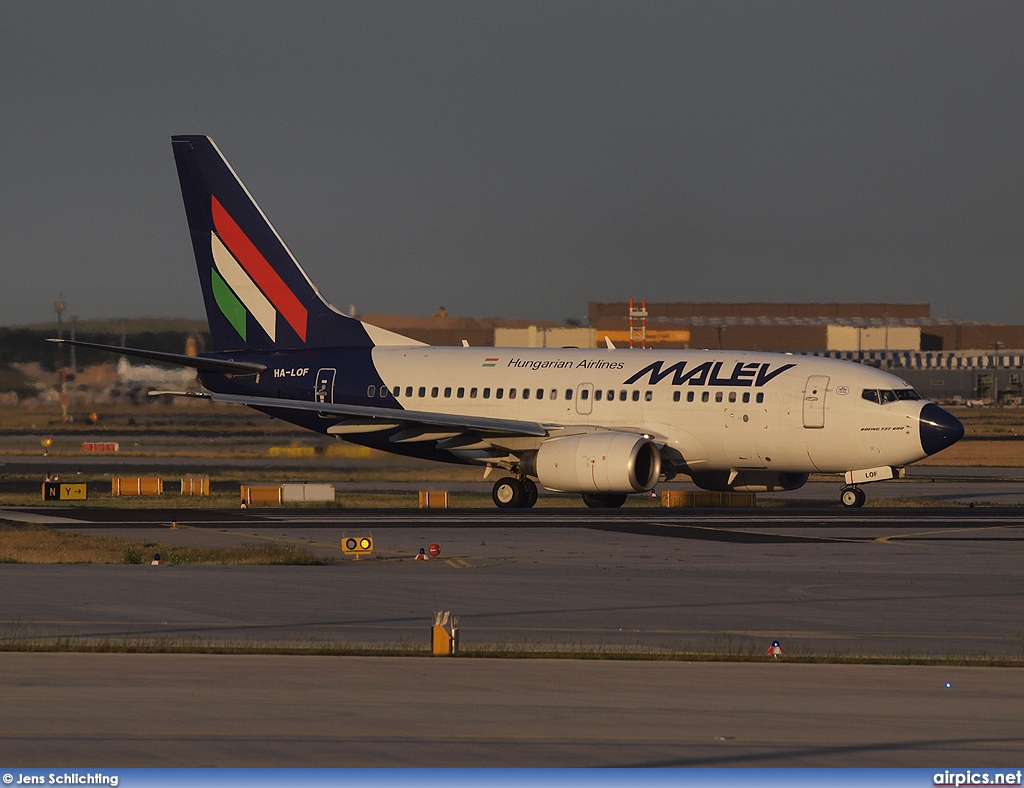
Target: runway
(118, 710)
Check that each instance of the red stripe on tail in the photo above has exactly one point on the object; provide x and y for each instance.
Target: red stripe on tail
(256, 265)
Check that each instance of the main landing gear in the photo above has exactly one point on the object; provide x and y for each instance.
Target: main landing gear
(852, 497)
(512, 493)
(604, 500)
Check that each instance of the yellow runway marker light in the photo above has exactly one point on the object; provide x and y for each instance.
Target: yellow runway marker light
(357, 545)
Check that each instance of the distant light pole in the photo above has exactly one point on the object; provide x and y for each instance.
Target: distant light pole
(58, 307)
(74, 323)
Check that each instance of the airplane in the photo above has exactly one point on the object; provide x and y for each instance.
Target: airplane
(604, 423)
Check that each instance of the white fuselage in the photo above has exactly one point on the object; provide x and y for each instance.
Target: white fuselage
(719, 410)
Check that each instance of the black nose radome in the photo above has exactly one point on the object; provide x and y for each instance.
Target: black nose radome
(939, 429)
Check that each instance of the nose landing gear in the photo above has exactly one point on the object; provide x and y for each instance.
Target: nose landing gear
(852, 497)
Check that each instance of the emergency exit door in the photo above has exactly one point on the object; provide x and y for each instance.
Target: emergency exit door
(323, 391)
(814, 401)
(585, 398)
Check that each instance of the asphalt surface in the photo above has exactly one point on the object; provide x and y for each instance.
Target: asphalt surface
(929, 581)
(121, 710)
(939, 582)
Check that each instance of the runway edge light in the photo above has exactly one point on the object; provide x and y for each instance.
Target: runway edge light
(775, 650)
(357, 545)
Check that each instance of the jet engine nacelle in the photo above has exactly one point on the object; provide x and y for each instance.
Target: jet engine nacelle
(749, 481)
(598, 462)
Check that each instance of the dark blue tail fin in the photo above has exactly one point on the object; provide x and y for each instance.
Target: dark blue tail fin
(257, 296)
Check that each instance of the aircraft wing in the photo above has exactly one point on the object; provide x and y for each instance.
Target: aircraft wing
(387, 418)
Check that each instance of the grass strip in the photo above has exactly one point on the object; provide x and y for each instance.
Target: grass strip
(200, 646)
(37, 544)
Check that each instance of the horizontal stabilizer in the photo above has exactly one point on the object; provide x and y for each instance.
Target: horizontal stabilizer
(202, 363)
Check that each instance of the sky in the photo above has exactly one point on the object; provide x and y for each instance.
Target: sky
(519, 159)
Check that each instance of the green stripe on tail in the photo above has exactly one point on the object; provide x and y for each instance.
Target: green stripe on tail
(229, 304)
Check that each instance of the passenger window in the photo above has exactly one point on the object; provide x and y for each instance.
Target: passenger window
(433, 392)
(371, 390)
(487, 393)
(472, 393)
(704, 396)
(554, 394)
(597, 395)
(423, 391)
(447, 391)
(760, 396)
(511, 393)
(675, 396)
(408, 391)
(584, 394)
(540, 393)
(460, 392)
(526, 393)
(611, 395)
(499, 393)
(636, 395)
(746, 396)
(732, 396)
(397, 392)
(568, 393)
(689, 396)
(384, 391)
(648, 396)
(718, 396)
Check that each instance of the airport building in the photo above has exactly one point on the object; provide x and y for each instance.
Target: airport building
(947, 360)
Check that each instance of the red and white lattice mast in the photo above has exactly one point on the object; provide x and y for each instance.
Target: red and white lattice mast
(641, 315)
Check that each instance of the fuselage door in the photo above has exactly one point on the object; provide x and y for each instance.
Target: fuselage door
(814, 401)
(323, 391)
(584, 398)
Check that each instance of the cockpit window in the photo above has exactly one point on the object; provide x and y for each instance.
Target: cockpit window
(885, 396)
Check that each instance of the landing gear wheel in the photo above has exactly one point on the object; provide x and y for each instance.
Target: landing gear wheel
(853, 497)
(531, 493)
(508, 493)
(604, 500)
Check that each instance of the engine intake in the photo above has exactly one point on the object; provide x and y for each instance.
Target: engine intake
(749, 481)
(598, 462)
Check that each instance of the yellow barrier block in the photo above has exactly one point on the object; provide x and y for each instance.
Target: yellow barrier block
(706, 499)
(674, 499)
(742, 500)
(440, 641)
(292, 451)
(261, 494)
(195, 485)
(433, 499)
(349, 450)
(136, 485)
